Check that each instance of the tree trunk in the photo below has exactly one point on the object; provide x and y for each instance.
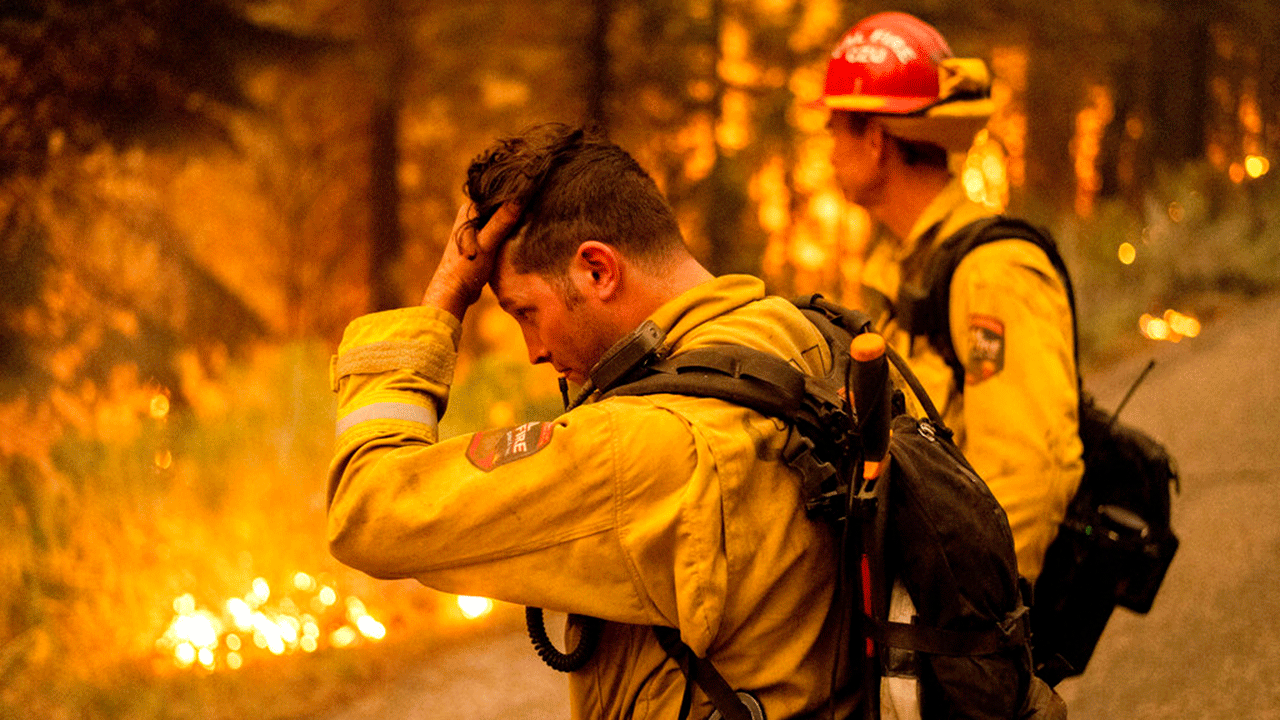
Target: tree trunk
(1180, 91)
(386, 236)
(1052, 100)
(1122, 162)
(599, 83)
(724, 190)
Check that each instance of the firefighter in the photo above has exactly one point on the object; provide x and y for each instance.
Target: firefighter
(641, 511)
(900, 104)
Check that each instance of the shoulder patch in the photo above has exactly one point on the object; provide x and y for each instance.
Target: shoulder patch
(491, 448)
(986, 348)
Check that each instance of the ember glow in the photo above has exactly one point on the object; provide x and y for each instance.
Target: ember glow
(1173, 326)
(1127, 253)
(985, 172)
(474, 607)
(304, 616)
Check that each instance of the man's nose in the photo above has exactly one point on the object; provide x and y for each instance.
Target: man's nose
(537, 351)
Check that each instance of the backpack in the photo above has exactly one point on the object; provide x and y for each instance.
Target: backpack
(1115, 544)
(928, 576)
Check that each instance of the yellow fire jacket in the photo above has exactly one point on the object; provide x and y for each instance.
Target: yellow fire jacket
(657, 510)
(1015, 417)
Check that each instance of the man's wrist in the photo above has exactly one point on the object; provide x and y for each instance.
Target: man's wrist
(451, 300)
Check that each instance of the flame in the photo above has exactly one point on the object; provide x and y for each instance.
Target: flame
(343, 637)
(159, 406)
(197, 637)
(1086, 146)
(1153, 327)
(733, 132)
(1127, 253)
(1173, 326)
(201, 629)
(261, 590)
(240, 613)
(1183, 325)
(473, 607)
(1256, 166)
(184, 604)
(985, 172)
(185, 654)
(808, 254)
(371, 628)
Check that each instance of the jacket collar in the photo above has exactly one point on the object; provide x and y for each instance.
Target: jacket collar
(705, 302)
(677, 319)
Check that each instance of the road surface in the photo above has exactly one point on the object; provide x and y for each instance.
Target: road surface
(1210, 647)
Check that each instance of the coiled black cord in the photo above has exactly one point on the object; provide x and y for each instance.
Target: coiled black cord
(589, 638)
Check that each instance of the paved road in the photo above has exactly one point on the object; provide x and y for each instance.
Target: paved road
(1210, 647)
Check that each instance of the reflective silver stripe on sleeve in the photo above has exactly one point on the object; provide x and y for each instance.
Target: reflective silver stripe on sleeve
(388, 411)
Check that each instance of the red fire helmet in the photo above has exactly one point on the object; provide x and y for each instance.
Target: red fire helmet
(901, 69)
(887, 63)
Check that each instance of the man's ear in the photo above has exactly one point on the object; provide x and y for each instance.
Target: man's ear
(596, 269)
(877, 142)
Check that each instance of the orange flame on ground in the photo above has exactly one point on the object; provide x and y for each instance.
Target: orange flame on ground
(212, 640)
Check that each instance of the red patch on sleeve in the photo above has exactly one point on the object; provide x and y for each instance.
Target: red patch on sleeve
(986, 348)
(491, 448)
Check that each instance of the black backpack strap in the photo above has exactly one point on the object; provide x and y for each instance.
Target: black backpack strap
(700, 671)
(853, 322)
(762, 382)
(925, 311)
(1013, 632)
(772, 387)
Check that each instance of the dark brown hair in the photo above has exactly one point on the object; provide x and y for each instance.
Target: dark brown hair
(573, 186)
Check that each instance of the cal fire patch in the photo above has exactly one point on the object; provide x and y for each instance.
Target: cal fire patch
(986, 348)
(492, 448)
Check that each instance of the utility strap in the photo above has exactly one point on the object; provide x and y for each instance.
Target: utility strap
(955, 643)
(913, 382)
(700, 671)
(740, 375)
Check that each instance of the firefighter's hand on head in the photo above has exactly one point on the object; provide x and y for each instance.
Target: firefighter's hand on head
(468, 259)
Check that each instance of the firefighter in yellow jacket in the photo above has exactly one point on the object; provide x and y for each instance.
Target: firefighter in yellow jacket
(659, 510)
(900, 102)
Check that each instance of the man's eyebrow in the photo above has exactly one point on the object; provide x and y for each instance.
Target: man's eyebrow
(508, 305)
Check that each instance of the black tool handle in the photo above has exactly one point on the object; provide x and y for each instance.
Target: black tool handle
(869, 383)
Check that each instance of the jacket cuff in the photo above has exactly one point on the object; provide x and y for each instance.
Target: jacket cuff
(422, 340)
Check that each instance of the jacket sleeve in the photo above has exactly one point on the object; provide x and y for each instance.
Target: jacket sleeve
(1011, 326)
(559, 515)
